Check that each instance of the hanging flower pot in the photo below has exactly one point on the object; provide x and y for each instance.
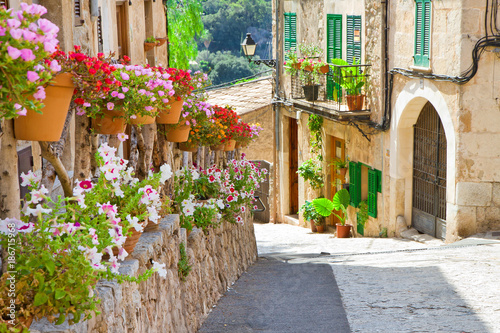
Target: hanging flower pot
(161, 40)
(311, 92)
(189, 147)
(324, 69)
(179, 134)
(230, 145)
(172, 115)
(142, 120)
(217, 147)
(111, 122)
(149, 46)
(49, 125)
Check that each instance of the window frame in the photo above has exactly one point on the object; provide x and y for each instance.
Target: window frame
(374, 180)
(353, 48)
(422, 46)
(289, 32)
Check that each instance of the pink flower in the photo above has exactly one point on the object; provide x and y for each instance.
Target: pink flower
(13, 23)
(16, 33)
(47, 26)
(13, 52)
(54, 66)
(27, 55)
(148, 108)
(85, 184)
(50, 46)
(20, 109)
(230, 198)
(122, 137)
(2, 31)
(114, 93)
(40, 94)
(124, 76)
(121, 96)
(110, 106)
(124, 89)
(32, 76)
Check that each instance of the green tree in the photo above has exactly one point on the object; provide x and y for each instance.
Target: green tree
(184, 26)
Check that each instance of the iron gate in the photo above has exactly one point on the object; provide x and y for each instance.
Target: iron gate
(429, 174)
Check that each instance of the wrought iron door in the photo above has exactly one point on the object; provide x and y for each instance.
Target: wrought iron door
(429, 174)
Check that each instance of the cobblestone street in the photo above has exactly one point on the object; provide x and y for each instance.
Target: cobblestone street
(398, 285)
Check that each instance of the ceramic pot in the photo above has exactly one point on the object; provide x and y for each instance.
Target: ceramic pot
(172, 115)
(343, 231)
(184, 146)
(324, 69)
(151, 226)
(229, 146)
(179, 134)
(111, 122)
(142, 120)
(320, 228)
(218, 147)
(355, 102)
(130, 242)
(149, 46)
(313, 226)
(49, 125)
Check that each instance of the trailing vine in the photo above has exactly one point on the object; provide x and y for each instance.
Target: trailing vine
(183, 266)
(315, 124)
(311, 171)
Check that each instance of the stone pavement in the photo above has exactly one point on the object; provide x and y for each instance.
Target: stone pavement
(398, 285)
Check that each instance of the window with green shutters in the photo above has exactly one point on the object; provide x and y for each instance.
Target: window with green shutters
(422, 32)
(333, 51)
(356, 183)
(353, 39)
(290, 32)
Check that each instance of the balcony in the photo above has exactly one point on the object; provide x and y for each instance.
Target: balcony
(341, 92)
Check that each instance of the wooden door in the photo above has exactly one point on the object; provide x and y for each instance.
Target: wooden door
(337, 152)
(294, 161)
(121, 28)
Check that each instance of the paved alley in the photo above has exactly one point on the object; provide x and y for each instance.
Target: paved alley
(385, 285)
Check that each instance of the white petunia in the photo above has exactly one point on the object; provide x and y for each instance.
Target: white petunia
(160, 268)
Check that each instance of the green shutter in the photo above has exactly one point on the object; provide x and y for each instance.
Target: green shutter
(372, 192)
(353, 39)
(379, 175)
(333, 51)
(422, 32)
(290, 31)
(355, 183)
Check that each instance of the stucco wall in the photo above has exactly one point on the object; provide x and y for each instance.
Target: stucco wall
(263, 147)
(170, 305)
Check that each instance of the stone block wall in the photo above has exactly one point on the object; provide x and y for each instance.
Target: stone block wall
(169, 304)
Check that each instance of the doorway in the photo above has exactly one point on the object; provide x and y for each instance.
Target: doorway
(294, 165)
(429, 174)
(338, 177)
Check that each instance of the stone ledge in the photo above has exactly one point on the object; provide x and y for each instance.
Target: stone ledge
(170, 305)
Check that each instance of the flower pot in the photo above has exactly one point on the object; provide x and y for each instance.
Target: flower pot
(324, 69)
(142, 120)
(342, 172)
(130, 242)
(184, 146)
(179, 134)
(311, 92)
(297, 65)
(230, 145)
(151, 226)
(343, 231)
(218, 147)
(308, 68)
(149, 46)
(355, 102)
(111, 122)
(161, 41)
(320, 228)
(49, 125)
(313, 226)
(172, 115)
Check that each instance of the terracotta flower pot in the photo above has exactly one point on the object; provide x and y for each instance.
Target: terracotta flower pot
(343, 231)
(161, 41)
(324, 69)
(179, 134)
(172, 115)
(229, 146)
(320, 228)
(130, 243)
(151, 226)
(355, 102)
(149, 46)
(184, 146)
(218, 147)
(142, 120)
(111, 122)
(49, 125)
(297, 65)
(313, 226)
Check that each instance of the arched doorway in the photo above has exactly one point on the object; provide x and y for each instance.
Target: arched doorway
(429, 174)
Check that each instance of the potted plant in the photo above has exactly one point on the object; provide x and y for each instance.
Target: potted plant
(326, 207)
(150, 43)
(311, 171)
(352, 80)
(310, 214)
(341, 165)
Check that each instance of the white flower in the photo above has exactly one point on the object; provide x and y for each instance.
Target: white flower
(220, 203)
(166, 173)
(114, 265)
(38, 210)
(195, 174)
(31, 178)
(38, 195)
(153, 214)
(188, 210)
(160, 268)
(134, 223)
(122, 254)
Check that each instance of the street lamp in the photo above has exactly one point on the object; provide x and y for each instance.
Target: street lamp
(249, 47)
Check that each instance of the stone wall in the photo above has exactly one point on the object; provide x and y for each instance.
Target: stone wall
(170, 305)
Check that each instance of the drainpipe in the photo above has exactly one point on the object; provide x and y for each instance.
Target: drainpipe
(277, 84)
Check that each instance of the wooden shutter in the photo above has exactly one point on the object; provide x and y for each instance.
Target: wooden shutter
(353, 39)
(78, 13)
(333, 51)
(372, 192)
(422, 32)
(4, 3)
(290, 31)
(355, 183)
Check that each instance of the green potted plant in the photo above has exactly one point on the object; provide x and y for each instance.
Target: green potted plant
(340, 165)
(326, 207)
(352, 80)
(310, 214)
(150, 43)
(311, 171)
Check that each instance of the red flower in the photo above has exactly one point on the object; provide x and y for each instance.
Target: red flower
(79, 101)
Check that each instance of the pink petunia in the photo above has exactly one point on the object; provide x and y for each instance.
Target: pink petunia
(114, 93)
(40, 94)
(13, 52)
(16, 33)
(124, 76)
(121, 96)
(32, 76)
(27, 55)
(122, 137)
(110, 106)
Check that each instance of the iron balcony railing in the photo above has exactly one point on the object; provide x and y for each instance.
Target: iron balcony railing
(342, 89)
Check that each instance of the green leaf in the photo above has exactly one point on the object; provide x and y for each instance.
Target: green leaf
(341, 198)
(51, 266)
(60, 293)
(40, 298)
(61, 319)
(323, 206)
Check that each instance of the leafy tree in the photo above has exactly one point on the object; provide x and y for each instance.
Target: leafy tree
(184, 25)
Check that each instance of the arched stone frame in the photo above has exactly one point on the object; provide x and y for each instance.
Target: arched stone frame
(409, 103)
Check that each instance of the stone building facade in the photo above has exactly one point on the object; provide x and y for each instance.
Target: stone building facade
(426, 123)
